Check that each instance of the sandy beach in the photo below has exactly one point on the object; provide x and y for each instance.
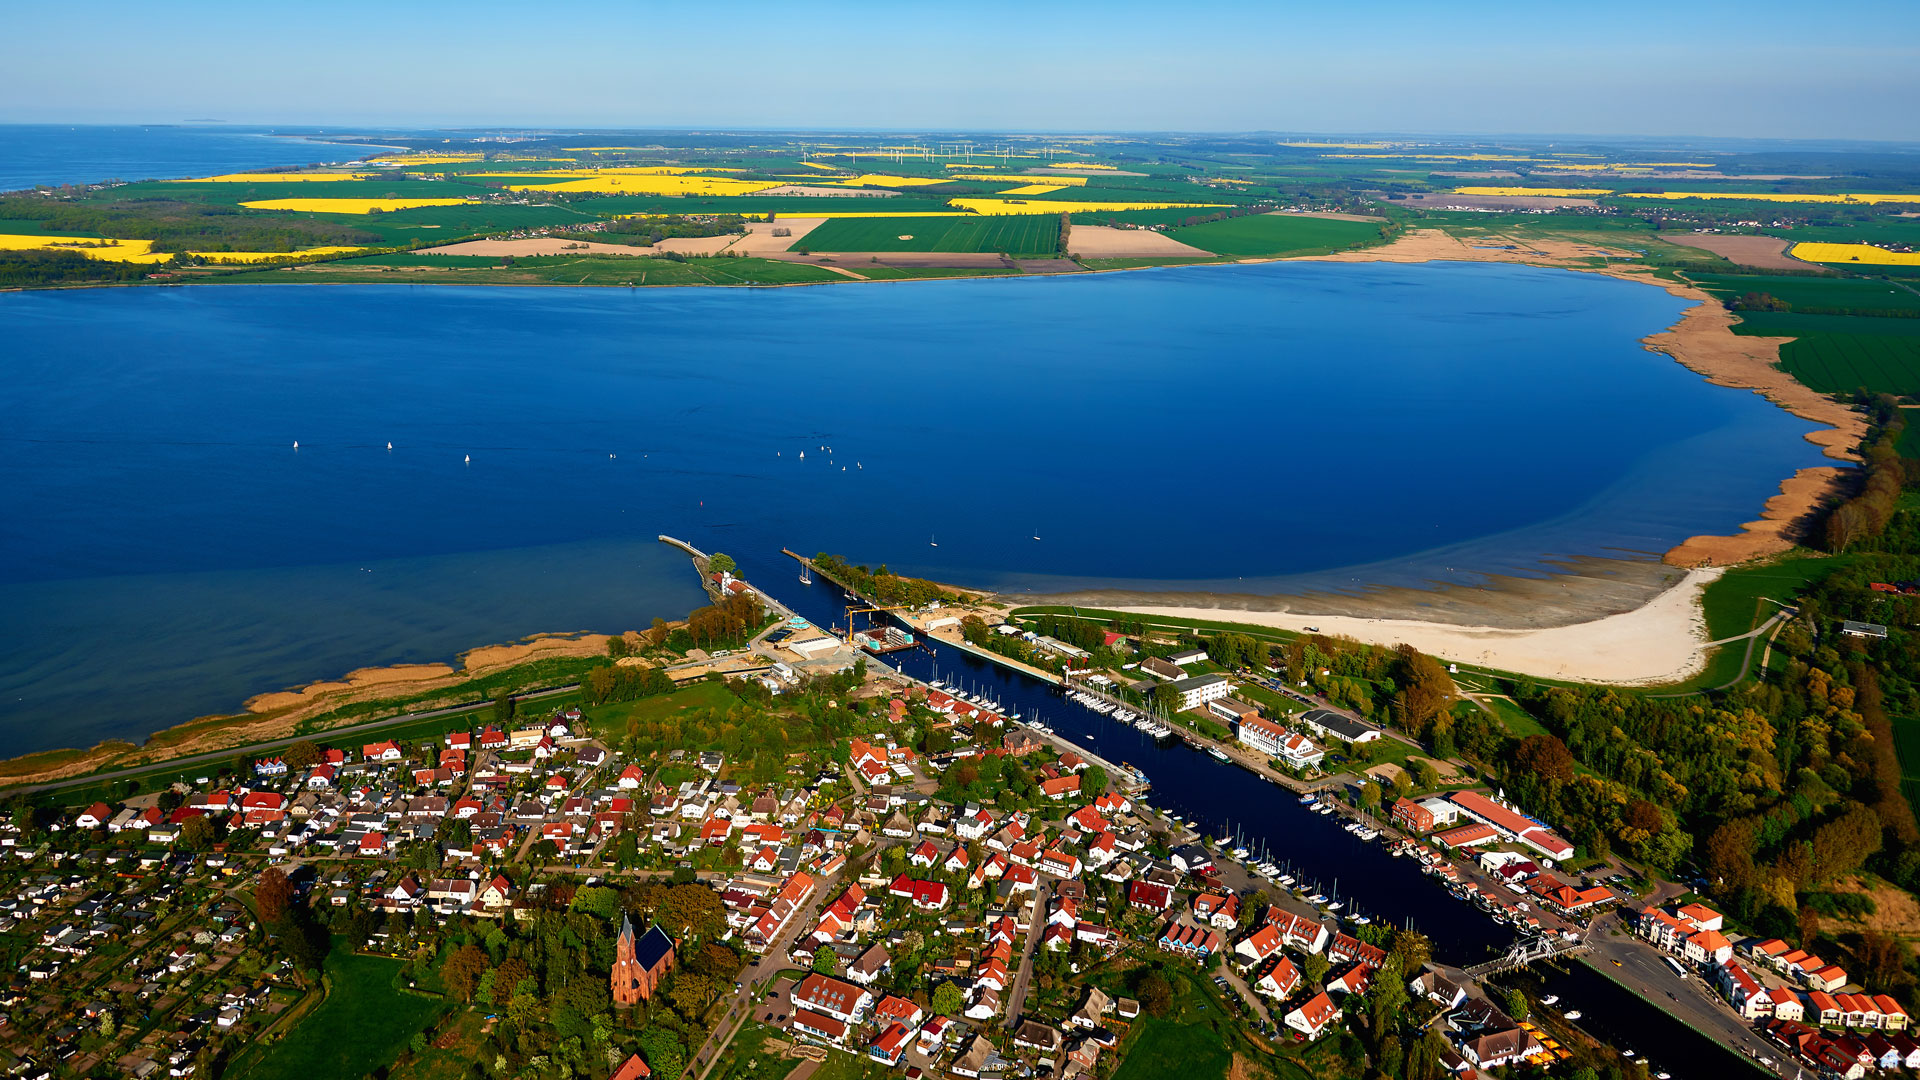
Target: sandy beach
(1661, 641)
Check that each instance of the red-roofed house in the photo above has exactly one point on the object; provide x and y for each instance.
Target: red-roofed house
(1313, 1017)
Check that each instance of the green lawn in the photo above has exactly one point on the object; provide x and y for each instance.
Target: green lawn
(1743, 597)
(1909, 444)
(744, 1058)
(1518, 722)
(612, 719)
(1163, 1048)
(1037, 234)
(1276, 234)
(362, 1025)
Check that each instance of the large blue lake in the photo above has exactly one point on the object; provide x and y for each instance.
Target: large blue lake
(166, 551)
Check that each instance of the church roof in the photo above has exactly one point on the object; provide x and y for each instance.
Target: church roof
(653, 948)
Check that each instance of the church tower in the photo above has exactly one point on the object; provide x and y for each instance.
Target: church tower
(626, 973)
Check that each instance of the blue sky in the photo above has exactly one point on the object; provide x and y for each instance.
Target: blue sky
(1806, 69)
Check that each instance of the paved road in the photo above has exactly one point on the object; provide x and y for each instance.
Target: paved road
(232, 752)
(1637, 965)
(1017, 996)
(761, 972)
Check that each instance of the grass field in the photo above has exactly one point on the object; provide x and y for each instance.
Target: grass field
(1742, 598)
(1257, 235)
(612, 719)
(1909, 444)
(1906, 746)
(361, 1026)
(1037, 234)
(1164, 1048)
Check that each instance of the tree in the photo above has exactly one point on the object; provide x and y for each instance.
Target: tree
(1093, 782)
(301, 755)
(1315, 967)
(1425, 775)
(721, 563)
(661, 1047)
(1545, 757)
(1156, 994)
(464, 970)
(1412, 949)
(503, 704)
(198, 833)
(823, 958)
(948, 1000)
(273, 895)
(1516, 1004)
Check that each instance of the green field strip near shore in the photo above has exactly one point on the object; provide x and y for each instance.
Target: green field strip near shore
(1276, 235)
(1023, 235)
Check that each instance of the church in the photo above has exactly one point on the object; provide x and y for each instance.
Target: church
(639, 965)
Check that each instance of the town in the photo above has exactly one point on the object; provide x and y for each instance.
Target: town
(923, 882)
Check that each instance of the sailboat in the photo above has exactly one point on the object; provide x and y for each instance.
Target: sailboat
(389, 446)
(469, 460)
(931, 542)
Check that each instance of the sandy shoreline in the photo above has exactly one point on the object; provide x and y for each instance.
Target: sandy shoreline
(1661, 641)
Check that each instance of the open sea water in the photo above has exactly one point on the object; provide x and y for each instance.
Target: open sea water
(53, 154)
(167, 552)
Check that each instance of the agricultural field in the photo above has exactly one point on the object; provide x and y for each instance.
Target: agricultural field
(1029, 235)
(1867, 254)
(1816, 295)
(1843, 363)
(363, 1000)
(1263, 235)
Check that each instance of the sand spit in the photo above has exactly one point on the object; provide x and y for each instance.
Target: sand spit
(1662, 641)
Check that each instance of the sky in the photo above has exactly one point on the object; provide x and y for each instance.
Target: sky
(1844, 69)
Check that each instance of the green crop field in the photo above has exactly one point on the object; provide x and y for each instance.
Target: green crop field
(1826, 293)
(1015, 235)
(357, 1031)
(1842, 363)
(1165, 1048)
(1276, 234)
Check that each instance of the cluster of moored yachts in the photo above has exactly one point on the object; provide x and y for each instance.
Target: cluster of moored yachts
(1124, 715)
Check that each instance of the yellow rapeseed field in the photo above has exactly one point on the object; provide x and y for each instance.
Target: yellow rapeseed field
(1049, 206)
(1860, 253)
(1056, 181)
(273, 178)
(829, 168)
(347, 206)
(1555, 192)
(1081, 165)
(883, 180)
(1034, 189)
(1589, 167)
(137, 251)
(790, 215)
(604, 170)
(427, 159)
(1338, 145)
(1856, 197)
(267, 256)
(655, 185)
